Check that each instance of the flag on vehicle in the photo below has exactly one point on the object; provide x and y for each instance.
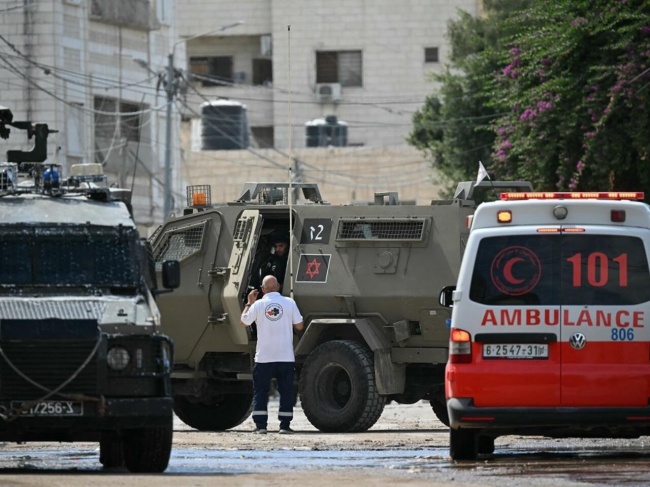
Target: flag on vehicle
(482, 173)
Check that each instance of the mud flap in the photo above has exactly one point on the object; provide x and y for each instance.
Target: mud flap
(389, 376)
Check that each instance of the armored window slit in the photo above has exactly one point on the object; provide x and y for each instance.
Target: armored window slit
(240, 229)
(393, 230)
(180, 243)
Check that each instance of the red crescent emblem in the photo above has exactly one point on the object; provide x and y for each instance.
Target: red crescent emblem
(507, 271)
(528, 270)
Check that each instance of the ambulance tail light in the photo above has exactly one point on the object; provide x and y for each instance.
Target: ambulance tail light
(460, 347)
(618, 216)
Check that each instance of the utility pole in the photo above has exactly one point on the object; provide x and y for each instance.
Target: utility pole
(171, 86)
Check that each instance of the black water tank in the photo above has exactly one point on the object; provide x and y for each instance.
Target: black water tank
(224, 125)
(325, 132)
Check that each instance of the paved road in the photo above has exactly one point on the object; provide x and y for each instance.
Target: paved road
(406, 447)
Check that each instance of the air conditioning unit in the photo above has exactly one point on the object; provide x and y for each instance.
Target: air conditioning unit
(328, 92)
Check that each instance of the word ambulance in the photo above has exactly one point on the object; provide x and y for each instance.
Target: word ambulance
(553, 317)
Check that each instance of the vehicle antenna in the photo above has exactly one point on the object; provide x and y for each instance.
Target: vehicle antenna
(290, 195)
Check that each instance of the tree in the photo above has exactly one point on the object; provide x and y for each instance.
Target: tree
(453, 127)
(568, 83)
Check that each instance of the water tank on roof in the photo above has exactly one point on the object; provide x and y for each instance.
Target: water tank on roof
(323, 132)
(224, 125)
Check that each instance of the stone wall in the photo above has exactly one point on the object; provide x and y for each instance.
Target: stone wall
(344, 175)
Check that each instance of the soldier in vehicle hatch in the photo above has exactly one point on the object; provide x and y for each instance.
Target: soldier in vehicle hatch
(276, 263)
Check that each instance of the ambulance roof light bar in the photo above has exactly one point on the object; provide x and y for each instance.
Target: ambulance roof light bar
(582, 195)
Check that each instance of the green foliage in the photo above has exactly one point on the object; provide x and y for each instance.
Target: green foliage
(555, 92)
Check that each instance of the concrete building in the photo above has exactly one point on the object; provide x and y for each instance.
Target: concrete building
(301, 74)
(301, 77)
(366, 62)
(91, 69)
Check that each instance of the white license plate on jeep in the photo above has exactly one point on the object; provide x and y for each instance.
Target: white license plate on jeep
(49, 408)
(515, 350)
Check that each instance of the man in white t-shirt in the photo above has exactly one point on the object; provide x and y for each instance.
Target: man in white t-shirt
(276, 317)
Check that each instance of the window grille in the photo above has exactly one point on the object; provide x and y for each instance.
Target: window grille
(431, 55)
(401, 230)
(240, 229)
(180, 243)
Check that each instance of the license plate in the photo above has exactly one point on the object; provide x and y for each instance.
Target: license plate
(515, 350)
(50, 408)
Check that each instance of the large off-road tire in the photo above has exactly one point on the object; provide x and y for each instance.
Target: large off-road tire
(463, 444)
(111, 450)
(439, 406)
(338, 392)
(229, 411)
(147, 450)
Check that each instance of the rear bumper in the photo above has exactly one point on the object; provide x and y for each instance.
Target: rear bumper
(110, 415)
(555, 422)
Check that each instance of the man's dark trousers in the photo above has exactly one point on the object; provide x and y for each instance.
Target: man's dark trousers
(263, 373)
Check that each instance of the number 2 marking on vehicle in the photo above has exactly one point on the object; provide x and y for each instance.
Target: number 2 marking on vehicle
(598, 269)
(318, 236)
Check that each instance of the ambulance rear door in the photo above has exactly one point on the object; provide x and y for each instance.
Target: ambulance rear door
(605, 339)
(516, 308)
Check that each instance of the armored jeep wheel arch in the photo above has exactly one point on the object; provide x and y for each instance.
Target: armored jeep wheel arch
(365, 274)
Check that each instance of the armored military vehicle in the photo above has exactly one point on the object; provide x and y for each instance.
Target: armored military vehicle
(82, 354)
(366, 279)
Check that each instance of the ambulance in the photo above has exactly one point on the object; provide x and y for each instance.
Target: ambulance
(550, 330)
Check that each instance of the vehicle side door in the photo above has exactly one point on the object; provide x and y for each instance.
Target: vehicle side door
(245, 238)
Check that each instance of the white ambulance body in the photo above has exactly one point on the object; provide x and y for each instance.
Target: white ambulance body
(551, 321)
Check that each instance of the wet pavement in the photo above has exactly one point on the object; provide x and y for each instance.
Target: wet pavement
(408, 446)
(513, 465)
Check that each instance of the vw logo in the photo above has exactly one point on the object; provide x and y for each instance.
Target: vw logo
(577, 341)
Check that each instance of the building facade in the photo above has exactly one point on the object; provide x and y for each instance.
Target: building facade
(320, 92)
(274, 76)
(363, 66)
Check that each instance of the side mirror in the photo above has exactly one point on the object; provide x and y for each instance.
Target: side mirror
(445, 298)
(171, 274)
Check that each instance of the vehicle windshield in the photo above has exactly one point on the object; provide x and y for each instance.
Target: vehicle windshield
(69, 256)
(561, 269)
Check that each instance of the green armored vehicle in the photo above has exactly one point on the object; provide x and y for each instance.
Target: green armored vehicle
(366, 279)
(82, 354)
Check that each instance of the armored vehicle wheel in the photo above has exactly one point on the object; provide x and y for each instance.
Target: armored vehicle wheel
(111, 450)
(439, 406)
(147, 450)
(463, 444)
(337, 388)
(225, 413)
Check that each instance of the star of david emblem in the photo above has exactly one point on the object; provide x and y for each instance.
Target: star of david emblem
(312, 268)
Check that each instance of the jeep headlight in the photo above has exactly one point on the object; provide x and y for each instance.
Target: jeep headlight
(118, 358)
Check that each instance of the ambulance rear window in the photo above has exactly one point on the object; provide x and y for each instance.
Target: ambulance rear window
(561, 269)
